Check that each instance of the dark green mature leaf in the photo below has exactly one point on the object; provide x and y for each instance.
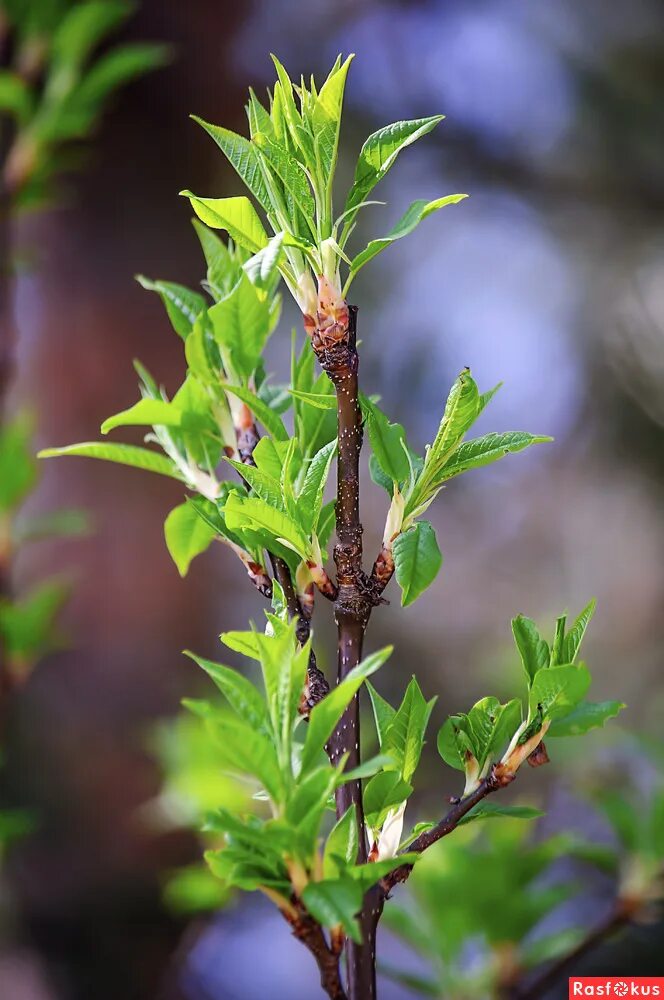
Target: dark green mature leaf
(487, 449)
(236, 215)
(240, 693)
(417, 560)
(182, 305)
(124, 454)
(325, 715)
(489, 810)
(533, 650)
(187, 535)
(244, 157)
(558, 689)
(381, 150)
(405, 737)
(416, 213)
(586, 716)
(334, 903)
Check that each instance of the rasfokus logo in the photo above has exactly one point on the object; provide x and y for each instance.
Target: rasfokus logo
(598, 986)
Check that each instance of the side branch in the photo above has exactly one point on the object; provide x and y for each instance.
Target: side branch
(495, 780)
(311, 934)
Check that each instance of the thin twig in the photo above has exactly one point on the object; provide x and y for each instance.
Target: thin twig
(537, 987)
(309, 931)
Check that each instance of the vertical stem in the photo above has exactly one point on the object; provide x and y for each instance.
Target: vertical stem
(352, 608)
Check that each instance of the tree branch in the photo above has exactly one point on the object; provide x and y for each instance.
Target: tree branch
(537, 987)
(335, 347)
(307, 930)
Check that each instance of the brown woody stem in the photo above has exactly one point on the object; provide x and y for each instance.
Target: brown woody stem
(352, 608)
(309, 931)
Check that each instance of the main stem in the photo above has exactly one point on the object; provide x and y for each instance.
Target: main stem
(352, 608)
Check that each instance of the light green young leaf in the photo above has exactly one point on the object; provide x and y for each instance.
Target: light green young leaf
(387, 442)
(262, 484)
(82, 27)
(15, 96)
(124, 454)
(487, 449)
(253, 512)
(243, 156)
(223, 269)
(187, 535)
(310, 499)
(244, 749)
(28, 625)
(236, 215)
(242, 642)
(326, 118)
(242, 323)
(269, 418)
(416, 213)
(417, 560)
(145, 413)
(239, 692)
(385, 791)
(558, 690)
(574, 637)
(115, 69)
(321, 401)
(325, 715)
(381, 150)
(586, 716)
(341, 844)
(383, 713)
(263, 267)
(182, 305)
(533, 650)
(405, 737)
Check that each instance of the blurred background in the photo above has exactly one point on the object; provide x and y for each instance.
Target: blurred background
(550, 277)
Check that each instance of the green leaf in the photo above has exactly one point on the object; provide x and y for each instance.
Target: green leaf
(381, 150)
(115, 69)
(383, 713)
(223, 269)
(334, 903)
(489, 810)
(385, 791)
(387, 442)
(405, 737)
(574, 637)
(123, 454)
(416, 213)
(147, 412)
(236, 215)
(18, 472)
(294, 180)
(269, 418)
(454, 744)
(252, 512)
(15, 96)
(82, 27)
(342, 844)
(586, 716)
(310, 499)
(461, 410)
(182, 305)
(242, 323)
(326, 118)
(263, 267)
(28, 625)
(262, 484)
(551, 946)
(325, 715)
(244, 749)
(558, 690)
(187, 535)
(242, 642)
(533, 650)
(487, 449)
(417, 560)
(240, 693)
(243, 156)
(322, 401)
